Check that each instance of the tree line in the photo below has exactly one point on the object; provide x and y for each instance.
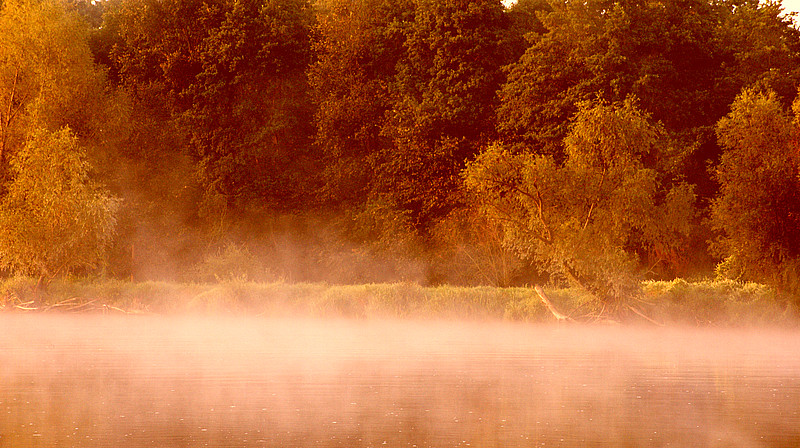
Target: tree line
(590, 143)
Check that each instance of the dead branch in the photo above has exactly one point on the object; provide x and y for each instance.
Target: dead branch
(558, 315)
(642, 315)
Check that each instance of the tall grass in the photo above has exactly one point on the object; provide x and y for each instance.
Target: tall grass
(678, 301)
(723, 302)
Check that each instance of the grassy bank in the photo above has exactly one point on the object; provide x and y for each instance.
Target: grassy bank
(678, 301)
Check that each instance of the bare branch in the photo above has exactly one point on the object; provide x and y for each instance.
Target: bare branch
(558, 315)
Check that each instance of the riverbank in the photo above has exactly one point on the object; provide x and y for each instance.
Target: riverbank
(674, 302)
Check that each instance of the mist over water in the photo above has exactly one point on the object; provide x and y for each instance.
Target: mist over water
(102, 381)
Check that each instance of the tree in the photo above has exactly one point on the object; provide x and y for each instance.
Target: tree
(232, 76)
(358, 48)
(56, 118)
(54, 219)
(444, 102)
(48, 79)
(685, 60)
(250, 118)
(525, 24)
(757, 209)
(406, 92)
(582, 221)
(761, 47)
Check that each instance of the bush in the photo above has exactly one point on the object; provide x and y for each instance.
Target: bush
(719, 302)
(54, 220)
(757, 210)
(585, 220)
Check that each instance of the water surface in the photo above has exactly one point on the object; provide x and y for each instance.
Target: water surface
(103, 381)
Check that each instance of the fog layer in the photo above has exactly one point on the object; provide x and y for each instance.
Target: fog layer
(151, 381)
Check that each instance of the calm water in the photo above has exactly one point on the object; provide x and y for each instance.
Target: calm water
(103, 381)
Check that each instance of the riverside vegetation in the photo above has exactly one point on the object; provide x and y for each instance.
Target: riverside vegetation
(724, 303)
(601, 147)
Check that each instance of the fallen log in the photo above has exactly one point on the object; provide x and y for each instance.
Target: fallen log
(558, 315)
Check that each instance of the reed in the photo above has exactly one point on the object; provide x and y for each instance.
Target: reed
(678, 301)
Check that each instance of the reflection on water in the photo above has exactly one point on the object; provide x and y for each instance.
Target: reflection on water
(179, 382)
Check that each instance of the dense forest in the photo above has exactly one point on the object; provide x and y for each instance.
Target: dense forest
(593, 143)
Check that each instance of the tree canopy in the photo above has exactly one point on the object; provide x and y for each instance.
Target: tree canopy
(57, 117)
(685, 60)
(594, 143)
(54, 219)
(757, 209)
(584, 219)
(232, 75)
(48, 78)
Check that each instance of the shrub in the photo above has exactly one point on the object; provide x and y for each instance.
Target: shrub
(757, 209)
(54, 219)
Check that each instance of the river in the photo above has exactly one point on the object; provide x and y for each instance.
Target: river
(150, 381)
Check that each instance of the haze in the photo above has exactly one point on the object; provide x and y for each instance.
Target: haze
(593, 161)
(95, 381)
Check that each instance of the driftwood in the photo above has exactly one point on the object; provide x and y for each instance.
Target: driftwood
(644, 316)
(73, 304)
(558, 315)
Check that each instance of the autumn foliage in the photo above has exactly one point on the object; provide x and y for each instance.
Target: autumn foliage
(594, 143)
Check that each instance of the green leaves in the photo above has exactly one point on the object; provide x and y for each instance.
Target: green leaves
(585, 219)
(443, 101)
(54, 219)
(55, 109)
(685, 60)
(406, 94)
(358, 48)
(47, 77)
(758, 206)
(232, 76)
